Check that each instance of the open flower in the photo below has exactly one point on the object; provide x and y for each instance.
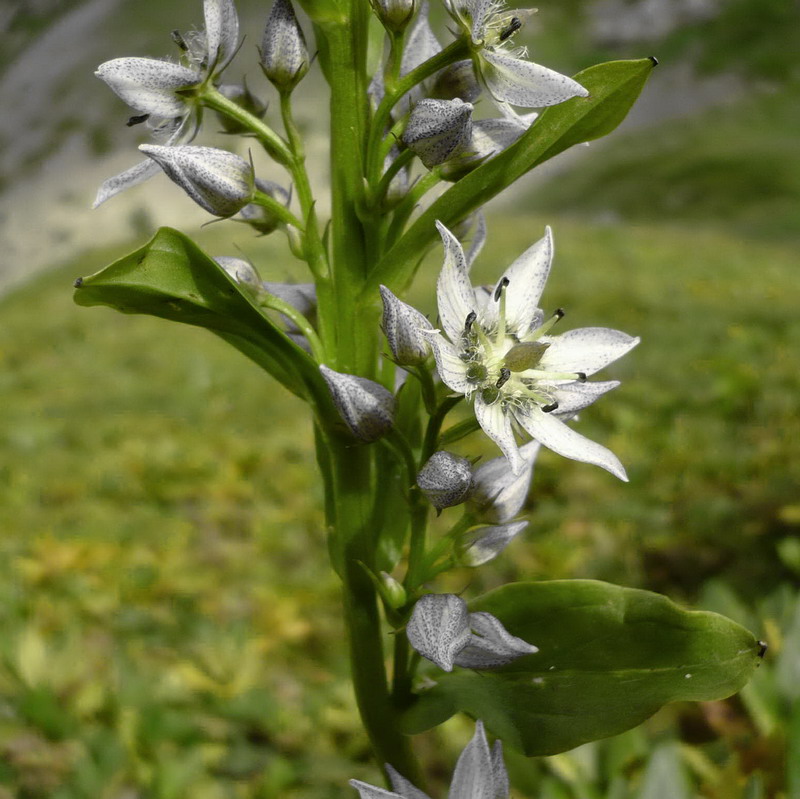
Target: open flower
(442, 630)
(480, 774)
(155, 88)
(498, 352)
(503, 68)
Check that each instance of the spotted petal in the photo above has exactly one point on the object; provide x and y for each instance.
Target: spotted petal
(574, 397)
(143, 171)
(148, 85)
(496, 423)
(478, 775)
(438, 628)
(497, 493)
(454, 293)
(452, 370)
(587, 349)
(526, 280)
(557, 436)
(222, 32)
(366, 791)
(403, 786)
(519, 82)
(490, 644)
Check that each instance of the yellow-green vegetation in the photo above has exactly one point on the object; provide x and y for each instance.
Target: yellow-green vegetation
(170, 622)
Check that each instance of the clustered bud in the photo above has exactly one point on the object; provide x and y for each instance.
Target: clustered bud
(284, 55)
(445, 479)
(367, 408)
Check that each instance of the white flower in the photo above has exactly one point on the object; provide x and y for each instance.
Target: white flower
(510, 78)
(480, 774)
(153, 87)
(442, 630)
(498, 353)
(486, 543)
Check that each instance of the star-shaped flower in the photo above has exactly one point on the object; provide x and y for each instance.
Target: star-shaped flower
(480, 774)
(503, 68)
(498, 352)
(152, 87)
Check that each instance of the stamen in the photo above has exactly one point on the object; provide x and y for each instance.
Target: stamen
(549, 408)
(513, 27)
(179, 40)
(505, 376)
(498, 292)
(137, 120)
(471, 317)
(558, 314)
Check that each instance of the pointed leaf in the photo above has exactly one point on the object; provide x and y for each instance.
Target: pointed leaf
(608, 658)
(172, 278)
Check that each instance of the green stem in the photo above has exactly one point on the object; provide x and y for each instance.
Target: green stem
(409, 203)
(272, 142)
(402, 160)
(305, 327)
(459, 431)
(277, 208)
(435, 426)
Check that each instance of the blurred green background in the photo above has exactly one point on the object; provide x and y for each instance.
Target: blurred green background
(169, 622)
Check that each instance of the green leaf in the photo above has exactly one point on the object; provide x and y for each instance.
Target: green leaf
(608, 658)
(171, 277)
(613, 88)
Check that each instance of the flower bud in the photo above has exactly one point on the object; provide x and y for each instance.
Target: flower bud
(489, 137)
(392, 591)
(446, 479)
(245, 99)
(243, 272)
(260, 218)
(457, 81)
(218, 181)
(394, 14)
(402, 325)
(498, 494)
(486, 543)
(366, 407)
(438, 130)
(284, 56)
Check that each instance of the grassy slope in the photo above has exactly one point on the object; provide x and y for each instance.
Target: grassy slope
(169, 619)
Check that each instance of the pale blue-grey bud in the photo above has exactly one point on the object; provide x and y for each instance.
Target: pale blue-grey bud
(445, 479)
(457, 81)
(217, 180)
(402, 325)
(284, 55)
(260, 218)
(394, 14)
(498, 494)
(366, 407)
(438, 130)
(240, 94)
(243, 272)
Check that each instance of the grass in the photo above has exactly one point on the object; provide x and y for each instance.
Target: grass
(170, 621)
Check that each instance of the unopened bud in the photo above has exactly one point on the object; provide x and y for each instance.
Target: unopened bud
(366, 407)
(245, 99)
(394, 14)
(486, 543)
(392, 591)
(243, 272)
(489, 137)
(284, 55)
(457, 81)
(438, 130)
(402, 325)
(217, 180)
(260, 218)
(446, 479)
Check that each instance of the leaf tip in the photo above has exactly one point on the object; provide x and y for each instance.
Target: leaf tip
(762, 649)
(78, 282)
(654, 60)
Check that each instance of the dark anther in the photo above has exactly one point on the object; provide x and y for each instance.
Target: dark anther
(559, 312)
(498, 292)
(654, 60)
(78, 282)
(505, 374)
(179, 40)
(549, 408)
(762, 648)
(471, 317)
(137, 120)
(581, 376)
(512, 28)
